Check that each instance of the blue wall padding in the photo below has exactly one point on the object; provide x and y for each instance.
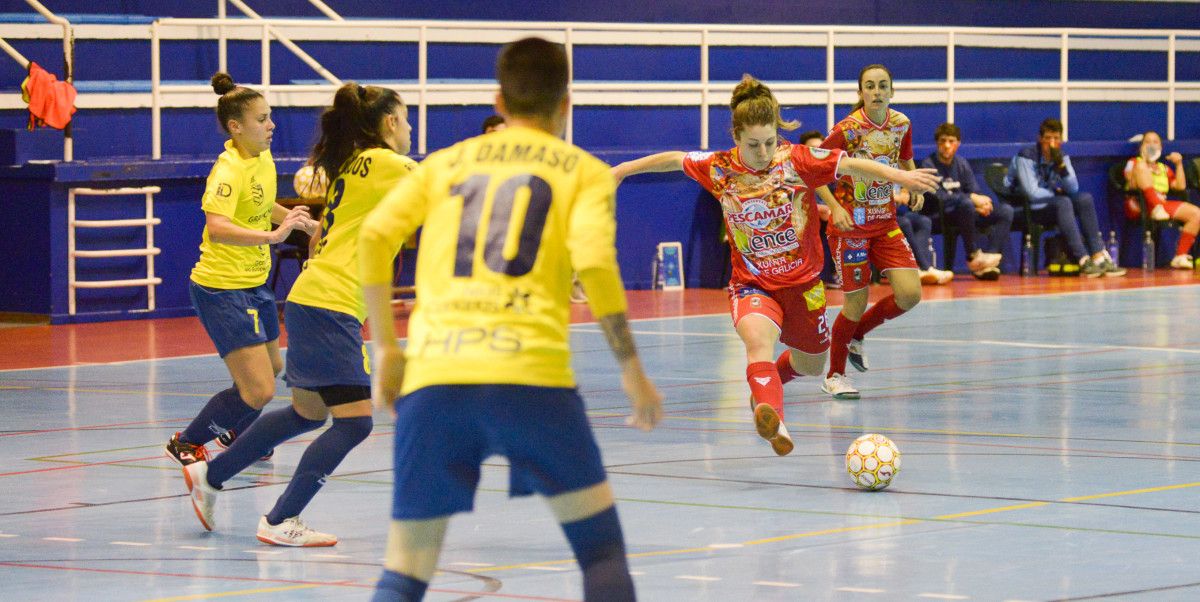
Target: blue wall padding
(637, 63)
(972, 63)
(728, 63)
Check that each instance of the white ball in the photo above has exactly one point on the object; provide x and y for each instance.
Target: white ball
(310, 183)
(872, 461)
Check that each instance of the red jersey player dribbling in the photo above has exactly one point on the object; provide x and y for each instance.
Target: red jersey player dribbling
(765, 186)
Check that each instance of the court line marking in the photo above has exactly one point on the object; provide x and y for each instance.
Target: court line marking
(129, 543)
(241, 592)
(1114, 291)
(66, 539)
(881, 525)
(861, 590)
(697, 578)
(943, 596)
(776, 583)
(198, 548)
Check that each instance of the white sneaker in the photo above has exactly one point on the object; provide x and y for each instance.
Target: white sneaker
(1182, 262)
(577, 294)
(204, 496)
(983, 260)
(1159, 214)
(293, 532)
(935, 276)
(837, 386)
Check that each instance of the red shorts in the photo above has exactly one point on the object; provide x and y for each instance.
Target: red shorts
(1172, 207)
(888, 251)
(798, 311)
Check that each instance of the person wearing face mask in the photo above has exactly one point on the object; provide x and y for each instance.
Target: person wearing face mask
(1155, 179)
(766, 189)
(1043, 175)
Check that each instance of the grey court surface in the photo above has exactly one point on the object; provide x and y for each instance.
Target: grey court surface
(1050, 449)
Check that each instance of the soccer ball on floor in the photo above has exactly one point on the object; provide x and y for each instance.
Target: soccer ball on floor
(872, 461)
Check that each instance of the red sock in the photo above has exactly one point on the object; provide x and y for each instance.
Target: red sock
(765, 386)
(884, 310)
(839, 346)
(1183, 248)
(784, 366)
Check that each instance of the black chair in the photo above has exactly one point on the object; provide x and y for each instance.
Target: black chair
(994, 176)
(949, 232)
(294, 247)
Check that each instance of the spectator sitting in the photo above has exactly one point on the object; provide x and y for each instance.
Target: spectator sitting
(917, 228)
(1043, 175)
(1154, 178)
(964, 207)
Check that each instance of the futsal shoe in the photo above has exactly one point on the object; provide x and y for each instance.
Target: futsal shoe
(185, 453)
(981, 260)
(837, 386)
(204, 496)
(987, 274)
(224, 440)
(856, 355)
(1181, 262)
(771, 428)
(294, 533)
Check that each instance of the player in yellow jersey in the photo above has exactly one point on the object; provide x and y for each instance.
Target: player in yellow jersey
(363, 138)
(506, 217)
(227, 285)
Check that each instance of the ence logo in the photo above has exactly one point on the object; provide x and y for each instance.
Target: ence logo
(757, 215)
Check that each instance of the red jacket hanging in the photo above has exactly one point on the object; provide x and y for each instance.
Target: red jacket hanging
(51, 102)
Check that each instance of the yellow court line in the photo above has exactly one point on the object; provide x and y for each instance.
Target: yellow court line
(884, 525)
(243, 592)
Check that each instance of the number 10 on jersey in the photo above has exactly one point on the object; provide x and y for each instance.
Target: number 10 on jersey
(474, 192)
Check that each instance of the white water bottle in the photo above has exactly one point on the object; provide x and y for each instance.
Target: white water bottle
(1027, 268)
(1148, 253)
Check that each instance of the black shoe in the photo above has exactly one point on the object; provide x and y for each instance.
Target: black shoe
(185, 453)
(224, 440)
(987, 274)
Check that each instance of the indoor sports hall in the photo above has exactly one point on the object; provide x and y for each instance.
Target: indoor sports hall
(1044, 418)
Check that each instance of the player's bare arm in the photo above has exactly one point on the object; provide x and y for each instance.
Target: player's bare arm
(838, 216)
(644, 397)
(668, 161)
(917, 180)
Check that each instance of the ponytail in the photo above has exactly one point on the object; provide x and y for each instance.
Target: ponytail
(753, 103)
(234, 99)
(351, 125)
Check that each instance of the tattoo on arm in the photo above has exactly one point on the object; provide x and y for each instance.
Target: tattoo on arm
(620, 339)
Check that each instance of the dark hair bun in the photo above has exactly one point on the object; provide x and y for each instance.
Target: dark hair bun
(222, 83)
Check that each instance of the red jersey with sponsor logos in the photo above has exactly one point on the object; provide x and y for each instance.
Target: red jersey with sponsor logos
(771, 214)
(870, 203)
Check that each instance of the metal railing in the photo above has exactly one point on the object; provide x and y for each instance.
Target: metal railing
(703, 92)
(149, 251)
(68, 37)
(818, 88)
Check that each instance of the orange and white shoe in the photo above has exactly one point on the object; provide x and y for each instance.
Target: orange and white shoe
(770, 427)
(204, 496)
(294, 533)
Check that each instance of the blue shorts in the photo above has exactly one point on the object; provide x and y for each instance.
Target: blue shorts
(325, 348)
(444, 432)
(236, 318)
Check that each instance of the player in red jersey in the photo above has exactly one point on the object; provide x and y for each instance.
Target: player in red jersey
(765, 187)
(871, 132)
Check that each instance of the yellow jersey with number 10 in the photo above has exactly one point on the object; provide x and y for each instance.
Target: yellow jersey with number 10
(330, 278)
(506, 217)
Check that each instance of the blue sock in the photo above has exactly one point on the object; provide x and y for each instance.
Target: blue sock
(220, 414)
(394, 587)
(244, 424)
(319, 461)
(269, 430)
(600, 549)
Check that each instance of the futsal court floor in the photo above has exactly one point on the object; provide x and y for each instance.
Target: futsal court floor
(1049, 429)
